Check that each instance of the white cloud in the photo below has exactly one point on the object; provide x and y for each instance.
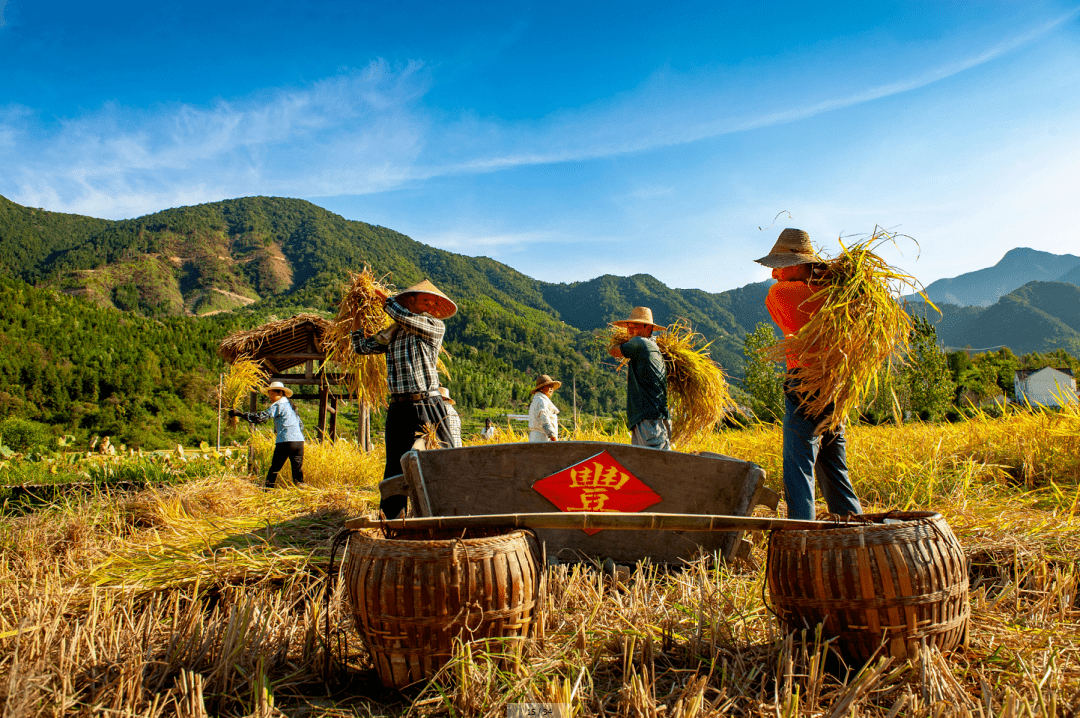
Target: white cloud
(358, 132)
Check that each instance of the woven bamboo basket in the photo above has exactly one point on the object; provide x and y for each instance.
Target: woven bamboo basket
(412, 595)
(900, 584)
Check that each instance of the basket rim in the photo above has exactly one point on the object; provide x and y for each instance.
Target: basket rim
(904, 519)
(442, 543)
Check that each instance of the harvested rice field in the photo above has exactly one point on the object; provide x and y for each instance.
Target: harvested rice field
(205, 598)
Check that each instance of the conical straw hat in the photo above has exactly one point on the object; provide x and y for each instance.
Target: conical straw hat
(279, 386)
(791, 248)
(640, 315)
(446, 307)
(544, 381)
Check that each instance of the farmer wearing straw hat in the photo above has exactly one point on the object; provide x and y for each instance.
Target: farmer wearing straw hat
(412, 348)
(452, 419)
(289, 430)
(543, 414)
(646, 388)
(796, 268)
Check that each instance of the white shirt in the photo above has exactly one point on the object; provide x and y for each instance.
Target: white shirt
(543, 419)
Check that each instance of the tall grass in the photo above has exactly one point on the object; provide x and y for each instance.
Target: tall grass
(202, 599)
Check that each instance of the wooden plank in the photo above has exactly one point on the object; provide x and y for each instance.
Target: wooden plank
(605, 520)
(394, 486)
(498, 478)
(414, 475)
(294, 356)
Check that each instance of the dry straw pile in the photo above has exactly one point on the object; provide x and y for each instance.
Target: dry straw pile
(860, 326)
(204, 599)
(698, 393)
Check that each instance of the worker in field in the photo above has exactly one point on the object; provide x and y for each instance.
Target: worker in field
(288, 432)
(796, 269)
(646, 388)
(411, 346)
(543, 414)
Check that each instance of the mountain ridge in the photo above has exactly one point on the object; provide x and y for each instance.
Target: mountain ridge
(1020, 265)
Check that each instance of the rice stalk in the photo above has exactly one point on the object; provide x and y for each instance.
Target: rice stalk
(860, 326)
(364, 374)
(698, 392)
(245, 376)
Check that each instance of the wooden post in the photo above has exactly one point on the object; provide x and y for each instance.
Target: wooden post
(363, 426)
(321, 431)
(332, 429)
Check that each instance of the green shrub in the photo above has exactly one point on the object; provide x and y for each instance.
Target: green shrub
(24, 434)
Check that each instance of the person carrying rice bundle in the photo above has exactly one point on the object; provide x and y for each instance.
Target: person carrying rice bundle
(797, 271)
(646, 388)
(543, 414)
(288, 428)
(453, 420)
(411, 346)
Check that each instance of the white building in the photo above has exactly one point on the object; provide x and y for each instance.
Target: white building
(1047, 386)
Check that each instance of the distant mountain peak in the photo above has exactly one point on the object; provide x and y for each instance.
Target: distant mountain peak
(1017, 267)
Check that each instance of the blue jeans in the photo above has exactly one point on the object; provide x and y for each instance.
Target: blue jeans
(802, 453)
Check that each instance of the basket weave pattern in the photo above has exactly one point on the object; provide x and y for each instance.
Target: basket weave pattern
(412, 598)
(901, 583)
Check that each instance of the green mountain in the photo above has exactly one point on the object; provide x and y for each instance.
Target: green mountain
(275, 254)
(1037, 317)
(236, 263)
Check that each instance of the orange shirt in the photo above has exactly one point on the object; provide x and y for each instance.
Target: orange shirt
(787, 301)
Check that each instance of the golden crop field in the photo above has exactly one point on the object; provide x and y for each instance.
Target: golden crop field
(205, 598)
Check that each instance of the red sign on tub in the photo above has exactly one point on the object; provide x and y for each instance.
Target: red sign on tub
(599, 483)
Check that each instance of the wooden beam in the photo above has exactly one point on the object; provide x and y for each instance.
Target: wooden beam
(303, 380)
(300, 356)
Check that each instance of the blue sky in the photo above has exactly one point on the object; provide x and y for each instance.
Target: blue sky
(567, 140)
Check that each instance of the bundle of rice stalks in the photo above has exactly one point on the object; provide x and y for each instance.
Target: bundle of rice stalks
(698, 393)
(365, 375)
(861, 325)
(245, 376)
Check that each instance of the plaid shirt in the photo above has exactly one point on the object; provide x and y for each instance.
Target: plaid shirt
(413, 352)
(453, 422)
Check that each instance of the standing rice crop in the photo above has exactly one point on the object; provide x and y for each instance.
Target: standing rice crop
(860, 326)
(365, 375)
(245, 376)
(698, 393)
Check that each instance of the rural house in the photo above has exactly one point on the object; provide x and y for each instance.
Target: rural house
(1046, 386)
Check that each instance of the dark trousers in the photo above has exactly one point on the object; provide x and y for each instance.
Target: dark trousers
(405, 423)
(294, 452)
(807, 455)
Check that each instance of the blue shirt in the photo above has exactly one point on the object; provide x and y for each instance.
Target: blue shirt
(287, 423)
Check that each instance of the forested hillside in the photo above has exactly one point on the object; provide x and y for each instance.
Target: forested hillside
(1037, 317)
(130, 350)
(277, 256)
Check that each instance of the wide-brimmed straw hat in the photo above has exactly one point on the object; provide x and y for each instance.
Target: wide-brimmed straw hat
(791, 248)
(446, 395)
(445, 306)
(544, 381)
(279, 386)
(640, 315)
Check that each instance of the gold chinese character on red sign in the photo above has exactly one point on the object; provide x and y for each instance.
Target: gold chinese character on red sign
(599, 483)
